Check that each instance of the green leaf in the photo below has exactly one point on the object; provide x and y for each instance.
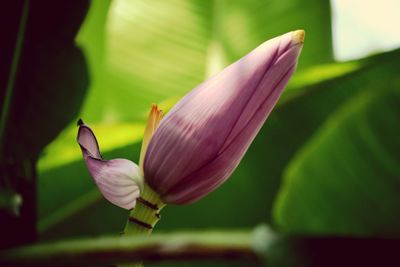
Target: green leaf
(345, 180)
(142, 52)
(245, 24)
(302, 111)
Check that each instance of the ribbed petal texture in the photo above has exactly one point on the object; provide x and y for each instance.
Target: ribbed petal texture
(203, 138)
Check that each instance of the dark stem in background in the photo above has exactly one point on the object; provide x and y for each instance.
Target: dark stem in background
(199, 246)
(258, 247)
(17, 174)
(5, 108)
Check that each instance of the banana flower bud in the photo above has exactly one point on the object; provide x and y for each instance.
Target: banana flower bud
(202, 139)
(200, 142)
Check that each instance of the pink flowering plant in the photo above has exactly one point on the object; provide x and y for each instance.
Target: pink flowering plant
(199, 143)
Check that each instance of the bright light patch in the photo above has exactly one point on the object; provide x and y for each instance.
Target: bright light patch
(364, 27)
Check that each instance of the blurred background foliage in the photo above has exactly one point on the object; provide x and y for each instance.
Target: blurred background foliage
(326, 162)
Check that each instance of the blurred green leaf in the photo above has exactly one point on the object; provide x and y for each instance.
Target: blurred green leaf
(345, 180)
(301, 113)
(318, 74)
(246, 24)
(142, 52)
